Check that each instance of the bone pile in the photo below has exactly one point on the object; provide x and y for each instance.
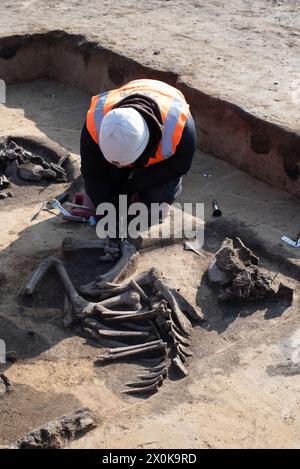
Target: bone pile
(59, 432)
(144, 310)
(16, 162)
(4, 184)
(235, 270)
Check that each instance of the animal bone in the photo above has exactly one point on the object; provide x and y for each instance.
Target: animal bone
(162, 372)
(5, 385)
(134, 347)
(186, 352)
(128, 353)
(177, 336)
(69, 245)
(95, 336)
(68, 317)
(114, 333)
(137, 327)
(186, 307)
(181, 355)
(80, 307)
(5, 194)
(146, 389)
(137, 288)
(157, 380)
(34, 172)
(156, 368)
(58, 432)
(105, 331)
(176, 361)
(108, 314)
(128, 259)
(131, 299)
(4, 182)
(38, 275)
(61, 175)
(138, 316)
(183, 321)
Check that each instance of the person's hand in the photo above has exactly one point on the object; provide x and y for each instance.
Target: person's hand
(85, 207)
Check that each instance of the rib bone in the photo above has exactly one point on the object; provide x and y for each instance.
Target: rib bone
(158, 380)
(150, 376)
(128, 353)
(176, 361)
(134, 347)
(183, 321)
(143, 390)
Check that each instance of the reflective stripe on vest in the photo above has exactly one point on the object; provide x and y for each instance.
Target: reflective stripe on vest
(174, 111)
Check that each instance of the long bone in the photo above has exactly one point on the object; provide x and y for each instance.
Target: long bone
(109, 289)
(80, 307)
(134, 347)
(106, 342)
(138, 316)
(71, 245)
(105, 331)
(115, 356)
(186, 307)
(131, 299)
(127, 260)
(105, 288)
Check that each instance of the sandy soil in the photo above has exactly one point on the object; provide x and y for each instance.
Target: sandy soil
(244, 51)
(237, 393)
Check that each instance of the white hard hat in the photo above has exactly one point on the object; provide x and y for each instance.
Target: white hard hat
(123, 136)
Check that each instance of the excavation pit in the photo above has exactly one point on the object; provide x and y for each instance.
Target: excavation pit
(30, 164)
(263, 149)
(233, 346)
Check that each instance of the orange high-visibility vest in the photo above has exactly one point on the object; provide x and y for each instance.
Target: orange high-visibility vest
(172, 104)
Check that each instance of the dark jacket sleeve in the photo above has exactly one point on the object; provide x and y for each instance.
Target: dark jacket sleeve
(94, 169)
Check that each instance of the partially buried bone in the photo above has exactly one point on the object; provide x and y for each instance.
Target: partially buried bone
(161, 346)
(139, 316)
(183, 322)
(105, 331)
(70, 245)
(179, 366)
(130, 299)
(5, 194)
(158, 380)
(125, 263)
(149, 376)
(34, 172)
(135, 347)
(80, 307)
(143, 390)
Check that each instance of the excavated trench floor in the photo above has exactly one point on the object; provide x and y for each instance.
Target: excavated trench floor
(237, 392)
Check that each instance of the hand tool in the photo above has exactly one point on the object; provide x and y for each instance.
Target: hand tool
(55, 204)
(216, 210)
(292, 242)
